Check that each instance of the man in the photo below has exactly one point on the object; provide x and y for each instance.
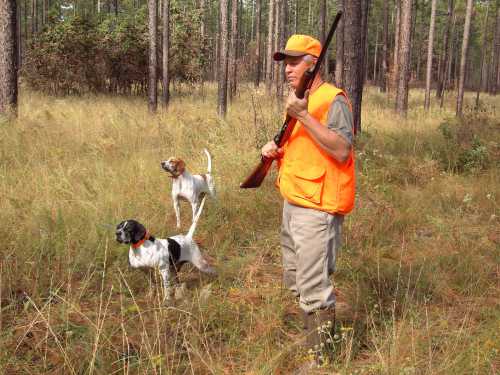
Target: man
(316, 180)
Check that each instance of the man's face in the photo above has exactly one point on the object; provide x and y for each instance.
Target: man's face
(295, 68)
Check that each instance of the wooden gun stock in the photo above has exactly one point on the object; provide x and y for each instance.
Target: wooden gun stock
(255, 179)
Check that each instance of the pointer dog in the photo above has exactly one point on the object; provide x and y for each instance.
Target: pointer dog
(191, 187)
(168, 255)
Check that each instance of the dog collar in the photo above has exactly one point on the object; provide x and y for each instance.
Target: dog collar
(146, 237)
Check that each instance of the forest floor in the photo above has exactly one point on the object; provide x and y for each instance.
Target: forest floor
(418, 275)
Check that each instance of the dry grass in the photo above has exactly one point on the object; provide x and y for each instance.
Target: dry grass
(419, 269)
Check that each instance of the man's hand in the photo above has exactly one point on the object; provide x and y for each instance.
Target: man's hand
(295, 107)
(271, 151)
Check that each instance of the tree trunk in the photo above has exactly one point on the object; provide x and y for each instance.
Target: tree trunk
(404, 57)
(375, 55)
(447, 71)
(223, 64)
(339, 54)
(44, 12)
(429, 57)
(34, 23)
(483, 55)
(322, 33)
(353, 59)
(19, 37)
(280, 78)
(232, 49)
(495, 71)
(296, 17)
(257, 43)
(8, 58)
(463, 58)
(165, 52)
(397, 32)
(277, 27)
(365, 9)
(270, 30)
(443, 62)
(385, 48)
(153, 53)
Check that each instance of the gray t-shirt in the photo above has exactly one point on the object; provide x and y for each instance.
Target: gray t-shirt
(340, 118)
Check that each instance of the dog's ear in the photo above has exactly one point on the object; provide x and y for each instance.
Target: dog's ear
(119, 226)
(181, 166)
(138, 232)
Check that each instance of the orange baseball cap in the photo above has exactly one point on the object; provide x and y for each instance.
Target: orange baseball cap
(299, 45)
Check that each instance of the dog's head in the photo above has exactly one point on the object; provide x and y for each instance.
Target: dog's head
(130, 231)
(174, 166)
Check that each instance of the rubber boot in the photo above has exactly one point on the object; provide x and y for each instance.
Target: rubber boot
(319, 332)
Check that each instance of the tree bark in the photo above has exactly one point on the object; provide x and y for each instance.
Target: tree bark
(404, 58)
(165, 53)
(365, 9)
(375, 55)
(8, 58)
(269, 61)
(353, 59)
(281, 20)
(233, 49)
(276, 32)
(397, 32)
(223, 64)
(429, 57)
(443, 62)
(153, 53)
(34, 18)
(483, 55)
(296, 17)
(463, 58)
(257, 43)
(495, 71)
(339, 54)
(322, 33)
(385, 48)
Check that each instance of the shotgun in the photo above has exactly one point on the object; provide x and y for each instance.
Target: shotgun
(255, 179)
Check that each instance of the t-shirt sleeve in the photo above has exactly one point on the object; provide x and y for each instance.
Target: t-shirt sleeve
(340, 118)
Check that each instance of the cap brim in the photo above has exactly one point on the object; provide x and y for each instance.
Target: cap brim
(281, 55)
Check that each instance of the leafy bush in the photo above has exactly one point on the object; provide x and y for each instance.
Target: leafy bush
(75, 55)
(465, 148)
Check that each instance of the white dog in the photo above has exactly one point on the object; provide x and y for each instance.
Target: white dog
(191, 187)
(168, 255)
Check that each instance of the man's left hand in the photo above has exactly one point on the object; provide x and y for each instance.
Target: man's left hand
(296, 107)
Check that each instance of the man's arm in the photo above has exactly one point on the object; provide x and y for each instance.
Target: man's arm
(334, 138)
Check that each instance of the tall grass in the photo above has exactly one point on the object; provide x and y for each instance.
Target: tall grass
(419, 270)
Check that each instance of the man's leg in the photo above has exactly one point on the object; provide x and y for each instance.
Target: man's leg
(316, 236)
(289, 254)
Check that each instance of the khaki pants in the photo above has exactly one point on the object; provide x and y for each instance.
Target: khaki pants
(309, 241)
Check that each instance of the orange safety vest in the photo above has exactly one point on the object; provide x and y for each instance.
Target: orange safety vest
(308, 176)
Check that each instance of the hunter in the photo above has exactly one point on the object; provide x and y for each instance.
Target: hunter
(316, 180)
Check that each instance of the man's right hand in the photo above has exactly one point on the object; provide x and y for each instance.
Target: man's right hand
(271, 151)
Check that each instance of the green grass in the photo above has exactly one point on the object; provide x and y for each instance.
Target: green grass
(419, 268)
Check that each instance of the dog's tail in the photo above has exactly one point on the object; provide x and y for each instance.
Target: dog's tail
(196, 218)
(209, 167)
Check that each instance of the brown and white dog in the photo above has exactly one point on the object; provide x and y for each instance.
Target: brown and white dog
(191, 187)
(168, 255)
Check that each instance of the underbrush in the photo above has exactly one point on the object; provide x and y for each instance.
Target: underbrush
(418, 272)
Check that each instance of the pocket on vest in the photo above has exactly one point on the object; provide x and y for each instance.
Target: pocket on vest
(308, 182)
